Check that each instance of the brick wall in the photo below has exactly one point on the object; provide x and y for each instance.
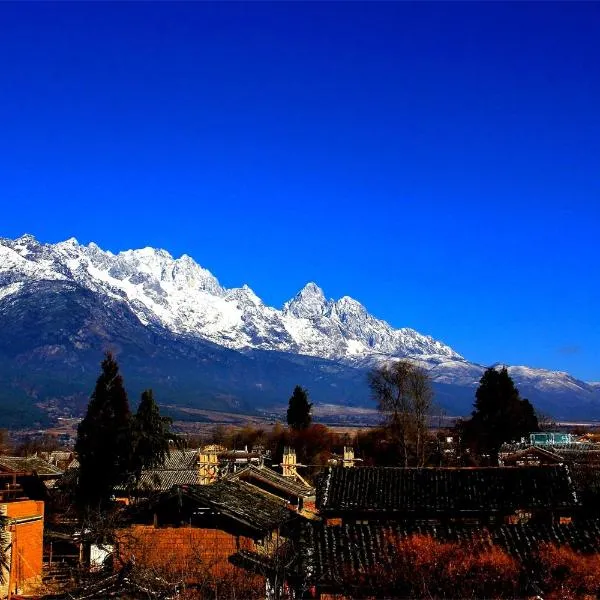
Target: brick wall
(26, 553)
(192, 554)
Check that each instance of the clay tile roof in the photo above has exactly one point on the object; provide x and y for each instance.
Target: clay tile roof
(574, 452)
(163, 479)
(444, 490)
(579, 453)
(179, 468)
(238, 501)
(331, 554)
(262, 474)
(60, 454)
(29, 465)
(532, 450)
(180, 460)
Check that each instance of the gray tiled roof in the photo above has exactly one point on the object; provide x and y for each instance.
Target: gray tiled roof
(179, 468)
(258, 475)
(575, 452)
(165, 479)
(331, 554)
(232, 500)
(445, 490)
(22, 464)
(181, 460)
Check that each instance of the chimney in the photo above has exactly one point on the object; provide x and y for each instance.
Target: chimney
(289, 462)
(348, 456)
(208, 465)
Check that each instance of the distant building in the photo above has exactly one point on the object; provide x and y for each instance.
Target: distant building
(549, 448)
(549, 438)
(531, 456)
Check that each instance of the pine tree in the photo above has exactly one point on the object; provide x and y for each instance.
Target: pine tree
(298, 413)
(152, 435)
(500, 414)
(103, 444)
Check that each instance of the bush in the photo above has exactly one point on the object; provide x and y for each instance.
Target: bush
(567, 575)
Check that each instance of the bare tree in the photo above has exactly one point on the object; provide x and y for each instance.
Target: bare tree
(403, 394)
(421, 396)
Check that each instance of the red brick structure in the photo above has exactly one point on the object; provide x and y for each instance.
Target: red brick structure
(191, 551)
(189, 533)
(25, 552)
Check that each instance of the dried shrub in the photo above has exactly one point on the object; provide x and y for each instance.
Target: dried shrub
(420, 566)
(567, 575)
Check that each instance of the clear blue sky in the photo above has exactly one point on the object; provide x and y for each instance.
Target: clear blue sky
(438, 162)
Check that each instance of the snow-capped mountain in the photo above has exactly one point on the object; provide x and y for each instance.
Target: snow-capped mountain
(181, 296)
(175, 298)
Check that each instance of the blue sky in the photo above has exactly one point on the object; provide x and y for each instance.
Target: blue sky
(438, 162)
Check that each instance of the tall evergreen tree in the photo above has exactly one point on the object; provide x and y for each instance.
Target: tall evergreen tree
(152, 435)
(298, 413)
(500, 414)
(104, 438)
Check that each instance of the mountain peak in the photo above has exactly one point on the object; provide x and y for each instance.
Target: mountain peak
(347, 301)
(187, 303)
(70, 243)
(311, 289)
(26, 242)
(25, 238)
(308, 303)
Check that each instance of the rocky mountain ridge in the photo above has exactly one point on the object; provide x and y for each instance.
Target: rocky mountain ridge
(178, 299)
(183, 297)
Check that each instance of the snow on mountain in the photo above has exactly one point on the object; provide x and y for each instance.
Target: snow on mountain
(186, 299)
(343, 329)
(178, 295)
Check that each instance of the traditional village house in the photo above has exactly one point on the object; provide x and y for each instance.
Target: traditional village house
(25, 529)
(198, 527)
(61, 459)
(293, 491)
(531, 456)
(231, 461)
(549, 445)
(477, 495)
(581, 457)
(194, 467)
(188, 467)
(181, 467)
(34, 474)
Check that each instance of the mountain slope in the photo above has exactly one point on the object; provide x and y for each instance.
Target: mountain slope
(56, 365)
(184, 298)
(175, 326)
